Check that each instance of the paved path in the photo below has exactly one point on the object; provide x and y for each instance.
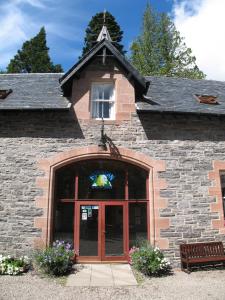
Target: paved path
(101, 275)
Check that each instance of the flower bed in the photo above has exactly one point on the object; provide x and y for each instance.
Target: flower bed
(149, 260)
(56, 260)
(10, 265)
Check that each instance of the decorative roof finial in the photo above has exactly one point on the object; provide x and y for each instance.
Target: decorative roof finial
(104, 34)
(104, 16)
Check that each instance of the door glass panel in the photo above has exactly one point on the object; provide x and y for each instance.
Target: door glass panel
(137, 223)
(89, 230)
(114, 230)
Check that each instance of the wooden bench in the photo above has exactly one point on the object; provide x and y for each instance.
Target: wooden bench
(197, 253)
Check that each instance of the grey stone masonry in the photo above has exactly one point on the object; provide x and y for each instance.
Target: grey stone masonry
(187, 144)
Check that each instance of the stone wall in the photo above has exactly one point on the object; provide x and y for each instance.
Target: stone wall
(187, 144)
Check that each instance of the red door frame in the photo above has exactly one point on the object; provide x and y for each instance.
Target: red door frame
(101, 223)
(101, 231)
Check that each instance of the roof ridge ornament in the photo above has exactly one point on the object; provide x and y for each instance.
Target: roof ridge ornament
(104, 33)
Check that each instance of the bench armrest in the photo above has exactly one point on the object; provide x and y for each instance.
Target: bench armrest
(183, 254)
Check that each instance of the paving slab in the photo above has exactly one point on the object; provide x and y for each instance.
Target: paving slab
(101, 275)
(123, 275)
(84, 277)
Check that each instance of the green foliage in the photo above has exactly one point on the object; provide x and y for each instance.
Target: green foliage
(33, 57)
(94, 28)
(149, 260)
(55, 260)
(160, 50)
(10, 265)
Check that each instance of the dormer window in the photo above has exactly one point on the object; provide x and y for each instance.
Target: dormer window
(4, 93)
(207, 99)
(103, 101)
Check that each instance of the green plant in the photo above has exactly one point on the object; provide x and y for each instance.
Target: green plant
(149, 260)
(9, 265)
(55, 260)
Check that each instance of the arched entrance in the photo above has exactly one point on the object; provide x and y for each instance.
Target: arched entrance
(101, 206)
(48, 181)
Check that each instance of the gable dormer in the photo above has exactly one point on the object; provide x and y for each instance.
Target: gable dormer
(103, 84)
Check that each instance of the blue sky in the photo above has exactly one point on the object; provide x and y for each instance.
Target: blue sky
(66, 20)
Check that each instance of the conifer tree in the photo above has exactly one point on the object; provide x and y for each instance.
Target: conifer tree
(94, 28)
(160, 50)
(33, 57)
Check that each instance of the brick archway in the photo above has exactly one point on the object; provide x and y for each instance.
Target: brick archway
(46, 183)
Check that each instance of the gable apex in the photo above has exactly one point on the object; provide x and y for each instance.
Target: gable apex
(66, 79)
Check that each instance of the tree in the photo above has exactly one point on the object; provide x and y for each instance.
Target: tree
(160, 50)
(33, 57)
(94, 28)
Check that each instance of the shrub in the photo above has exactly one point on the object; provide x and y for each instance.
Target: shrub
(149, 260)
(55, 260)
(9, 265)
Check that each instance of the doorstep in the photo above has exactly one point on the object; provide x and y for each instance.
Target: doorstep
(101, 275)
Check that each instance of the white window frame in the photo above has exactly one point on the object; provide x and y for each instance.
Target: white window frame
(94, 84)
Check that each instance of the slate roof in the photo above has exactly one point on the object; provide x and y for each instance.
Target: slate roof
(165, 94)
(33, 91)
(176, 95)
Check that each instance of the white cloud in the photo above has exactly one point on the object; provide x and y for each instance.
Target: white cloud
(16, 27)
(34, 3)
(202, 23)
(22, 19)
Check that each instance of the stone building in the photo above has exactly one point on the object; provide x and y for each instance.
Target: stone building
(153, 170)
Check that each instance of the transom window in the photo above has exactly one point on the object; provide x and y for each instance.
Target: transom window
(103, 101)
(101, 180)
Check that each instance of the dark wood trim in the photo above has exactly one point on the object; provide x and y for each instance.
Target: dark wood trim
(126, 185)
(66, 200)
(76, 185)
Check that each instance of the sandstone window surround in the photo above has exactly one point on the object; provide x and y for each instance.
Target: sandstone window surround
(222, 181)
(103, 100)
(217, 191)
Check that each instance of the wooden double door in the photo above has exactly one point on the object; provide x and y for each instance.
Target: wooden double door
(101, 231)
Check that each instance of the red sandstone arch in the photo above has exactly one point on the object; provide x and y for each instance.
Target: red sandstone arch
(49, 165)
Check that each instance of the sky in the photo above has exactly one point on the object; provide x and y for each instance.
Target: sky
(200, 22)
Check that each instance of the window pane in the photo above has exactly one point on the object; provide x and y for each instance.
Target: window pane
(65, 184)
(106, 112)
(95, 109)
(64, 222)
(137, 183)
(137, 223)
(108, 91)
